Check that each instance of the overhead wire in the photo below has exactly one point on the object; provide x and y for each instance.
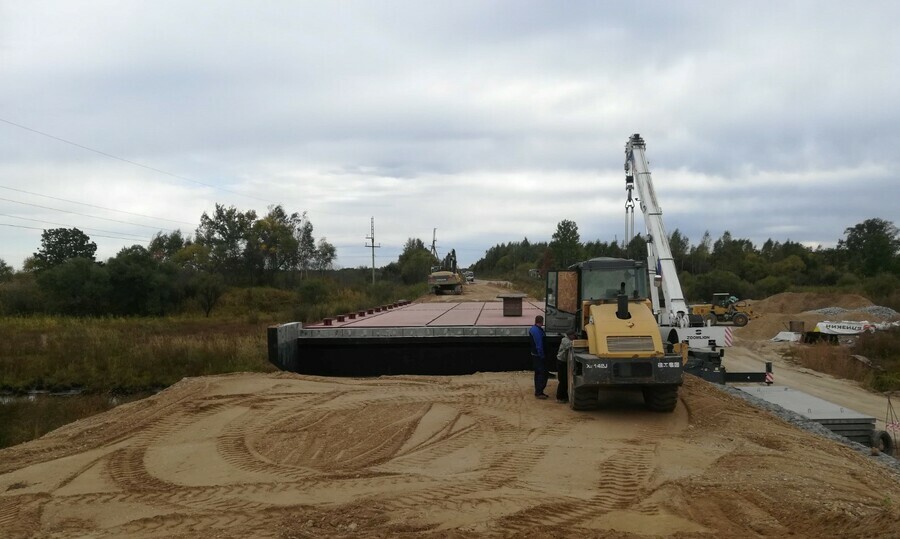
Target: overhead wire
(81, 214)
(68, 226)
(96, 206)
(93, 235)
(147, 167)
(130, 162)
(124, 160)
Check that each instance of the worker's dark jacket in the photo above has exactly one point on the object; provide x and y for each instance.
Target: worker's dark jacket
(537, 339)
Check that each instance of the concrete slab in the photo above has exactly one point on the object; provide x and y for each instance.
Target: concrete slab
(811, 407)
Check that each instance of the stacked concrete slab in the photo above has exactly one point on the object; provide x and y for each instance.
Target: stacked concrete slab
(843, 421)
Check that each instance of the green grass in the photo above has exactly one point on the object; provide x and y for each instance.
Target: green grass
(130, 356)
(124, 355)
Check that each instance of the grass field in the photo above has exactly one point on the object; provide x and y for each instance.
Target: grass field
(124, 355)
(114, 359)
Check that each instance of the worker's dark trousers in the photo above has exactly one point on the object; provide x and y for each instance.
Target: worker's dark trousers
(562, 376)
(540, 374)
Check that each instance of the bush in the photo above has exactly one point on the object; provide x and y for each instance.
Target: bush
(881, 287)
(833, 360)
(123, 354)
(848, 279)
(886, 381)
(21, 296)
(313, 291)
(771, 285)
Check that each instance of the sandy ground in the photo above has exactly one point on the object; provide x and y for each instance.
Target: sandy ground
(480, 290)
(285, 455)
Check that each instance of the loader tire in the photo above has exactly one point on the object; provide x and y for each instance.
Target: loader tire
(583, 398)
(580, 398)
(661, 398)
(711, 320)
(740, 319)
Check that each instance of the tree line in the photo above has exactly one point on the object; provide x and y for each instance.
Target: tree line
(866, 259)
(232, 248)
(229, 248)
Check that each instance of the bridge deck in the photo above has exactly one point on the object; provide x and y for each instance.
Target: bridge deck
(467, 314)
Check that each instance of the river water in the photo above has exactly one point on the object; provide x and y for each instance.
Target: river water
(26, 417)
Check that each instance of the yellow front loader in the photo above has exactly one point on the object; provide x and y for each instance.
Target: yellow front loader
(606, 301)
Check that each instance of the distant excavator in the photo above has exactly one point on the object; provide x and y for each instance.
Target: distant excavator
(445, 278)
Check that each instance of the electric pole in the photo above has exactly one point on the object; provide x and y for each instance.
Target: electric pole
(373, 246)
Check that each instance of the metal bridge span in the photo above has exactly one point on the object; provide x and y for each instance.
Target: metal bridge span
(411, 338)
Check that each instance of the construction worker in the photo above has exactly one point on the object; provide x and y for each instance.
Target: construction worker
(536, 336)
(562, 374)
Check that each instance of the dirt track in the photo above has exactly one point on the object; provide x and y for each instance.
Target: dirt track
(284, 455)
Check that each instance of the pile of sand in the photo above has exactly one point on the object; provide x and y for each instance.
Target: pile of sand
(799, 302)
(283, 455)
(777, 312)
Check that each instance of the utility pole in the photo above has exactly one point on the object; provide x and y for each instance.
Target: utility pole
(373, 246)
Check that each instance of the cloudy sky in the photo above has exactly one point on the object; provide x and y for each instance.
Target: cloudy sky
(488, 121)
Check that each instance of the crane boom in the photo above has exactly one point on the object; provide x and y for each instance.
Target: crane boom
(673, 311)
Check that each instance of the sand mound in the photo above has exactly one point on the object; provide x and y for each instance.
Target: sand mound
(778, 311)
(281, 455)
(799, 302)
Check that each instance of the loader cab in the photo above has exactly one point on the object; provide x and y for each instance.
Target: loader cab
(723, 299)
(598, 280)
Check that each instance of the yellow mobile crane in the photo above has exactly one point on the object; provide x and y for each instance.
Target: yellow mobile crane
(634, 327)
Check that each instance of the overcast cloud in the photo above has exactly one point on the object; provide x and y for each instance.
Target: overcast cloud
(490, 121)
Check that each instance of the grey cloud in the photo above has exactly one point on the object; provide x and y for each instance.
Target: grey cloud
(247, 97)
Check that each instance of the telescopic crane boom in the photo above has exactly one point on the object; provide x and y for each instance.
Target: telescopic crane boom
(673, 310)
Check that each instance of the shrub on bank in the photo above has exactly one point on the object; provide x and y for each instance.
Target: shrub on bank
(123, 354)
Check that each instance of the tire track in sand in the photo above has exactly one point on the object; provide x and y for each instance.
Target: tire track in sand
(625, 482)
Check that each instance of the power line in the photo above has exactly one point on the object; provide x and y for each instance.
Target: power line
(147, 167)
(95, 235)
(95, 206)
(130, 162)
(66, 225)
(81, 214)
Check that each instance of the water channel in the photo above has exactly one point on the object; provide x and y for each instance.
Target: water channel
(27, 417)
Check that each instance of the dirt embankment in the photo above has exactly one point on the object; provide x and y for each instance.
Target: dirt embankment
(776, 312)
(283, 455)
